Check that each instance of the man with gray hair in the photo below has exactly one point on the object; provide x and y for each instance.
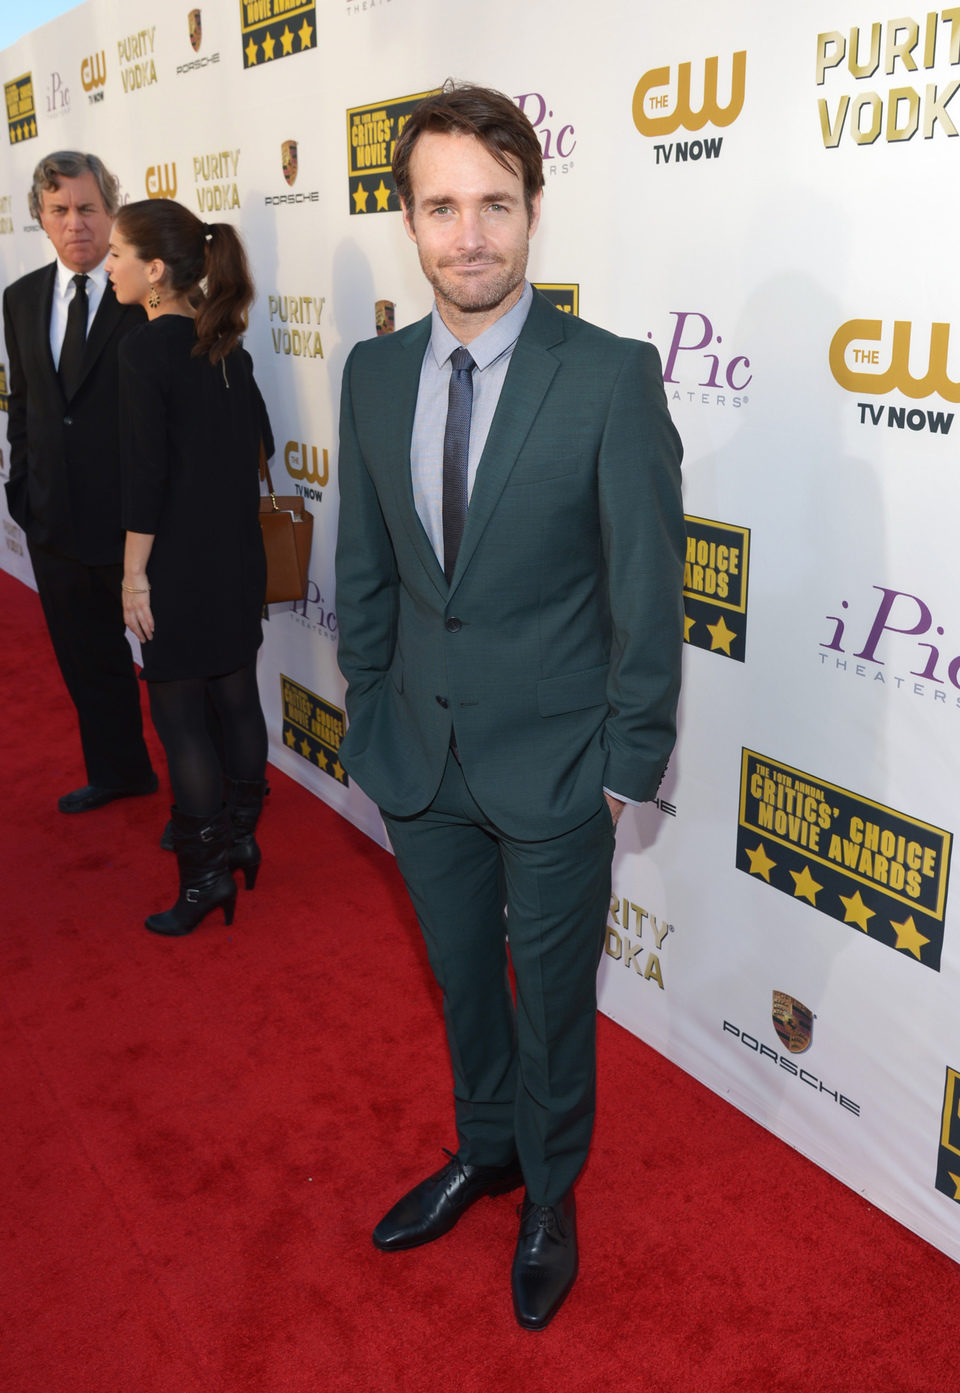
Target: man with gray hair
(63, 327)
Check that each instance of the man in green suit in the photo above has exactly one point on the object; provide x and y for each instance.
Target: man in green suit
(509, 571)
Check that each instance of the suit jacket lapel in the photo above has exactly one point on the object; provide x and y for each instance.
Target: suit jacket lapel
(532, 368)
(42, 323)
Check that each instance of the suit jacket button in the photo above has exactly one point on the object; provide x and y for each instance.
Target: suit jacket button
(68, 420)
(453, 625)
(442, 701)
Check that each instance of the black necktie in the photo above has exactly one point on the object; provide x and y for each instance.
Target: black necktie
(75, 338)
(456, 451)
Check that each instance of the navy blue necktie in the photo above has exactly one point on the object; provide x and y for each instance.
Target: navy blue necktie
(456, 451)
(74, 339)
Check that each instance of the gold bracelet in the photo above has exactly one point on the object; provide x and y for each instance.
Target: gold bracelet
(132, 589)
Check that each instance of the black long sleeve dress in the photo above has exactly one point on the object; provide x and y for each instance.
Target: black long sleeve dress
(190, 434)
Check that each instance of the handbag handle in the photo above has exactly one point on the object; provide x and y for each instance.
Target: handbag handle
(265, 475)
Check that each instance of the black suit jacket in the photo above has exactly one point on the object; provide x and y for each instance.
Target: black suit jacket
(64, 485)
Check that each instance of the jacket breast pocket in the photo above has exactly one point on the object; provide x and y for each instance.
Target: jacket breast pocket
(572, 691)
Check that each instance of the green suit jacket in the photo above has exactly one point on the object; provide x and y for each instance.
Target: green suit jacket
(555, 650)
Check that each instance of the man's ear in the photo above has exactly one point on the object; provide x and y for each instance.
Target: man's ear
(408, 221)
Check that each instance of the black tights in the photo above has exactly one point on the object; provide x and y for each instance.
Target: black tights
(183, 712)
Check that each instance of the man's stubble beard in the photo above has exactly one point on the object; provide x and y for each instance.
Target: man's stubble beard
(487, 294)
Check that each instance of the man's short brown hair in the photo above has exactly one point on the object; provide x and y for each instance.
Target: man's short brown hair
(489, 116)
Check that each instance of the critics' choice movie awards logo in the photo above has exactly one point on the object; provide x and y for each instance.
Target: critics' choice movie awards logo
(691, 102)
(715, 575)
(948, 1158)
(135, 55)
(636, 938)
(562, 297)
(195, 35)
(870, 358)
(6, 226)
(295, 325)
(895, 625)
(313, 729)
(21, 111)
(793, 1027)
(372, 133)
(93, 75)
(4, 395)
(274, 29)
(877, 870)
(905, 62)
(557, 137)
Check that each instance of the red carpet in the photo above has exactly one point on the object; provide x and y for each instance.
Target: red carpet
(199, 1134)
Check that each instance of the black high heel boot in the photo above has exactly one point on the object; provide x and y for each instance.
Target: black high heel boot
(202, 845)
(244, 804)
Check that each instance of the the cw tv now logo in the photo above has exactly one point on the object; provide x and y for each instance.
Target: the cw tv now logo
(93, 73)
(866, 357)
(661, 109)
(161, 180)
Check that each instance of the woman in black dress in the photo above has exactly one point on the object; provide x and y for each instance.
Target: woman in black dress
(192, 420)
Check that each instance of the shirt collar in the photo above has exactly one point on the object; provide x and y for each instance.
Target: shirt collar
(65, 277)
(487, 347)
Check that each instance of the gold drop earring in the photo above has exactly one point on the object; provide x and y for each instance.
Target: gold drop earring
(153, 299)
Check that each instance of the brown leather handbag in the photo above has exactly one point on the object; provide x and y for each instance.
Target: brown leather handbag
(287, 529)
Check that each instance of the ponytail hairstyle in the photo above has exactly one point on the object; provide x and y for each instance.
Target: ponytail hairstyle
(204, 262)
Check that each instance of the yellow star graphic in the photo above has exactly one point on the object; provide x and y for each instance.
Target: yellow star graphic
(760, 863)
(360, 197)
(290, 738)
(286, 38)
(305, 33)
(305, 747)
(807, 887)
(909, 938)
(856, 911)
(720, 636)
(251, 52)
(338, 771)
(382, 195)
(322, 761)
(688, 624)
(269, 44)
(956, 1181)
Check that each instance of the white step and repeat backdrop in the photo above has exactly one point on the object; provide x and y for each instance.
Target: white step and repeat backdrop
(769, 195)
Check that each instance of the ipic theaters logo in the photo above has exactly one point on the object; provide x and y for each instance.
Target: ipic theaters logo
(697, 374)
(661, 108)
(295, 325)
(309, 468)
(715, 575)
(880, 871)
(215, 176)
(21, 110)
(313, 729)
(57, 96)
(903, 105)
(557, 137)
(636, 938)
(160, 180)
(869, 358)
(194, 28)
(290, 168)
(896, 624)
(562, 297)
(948, 1156)
(135, 55)
(371, 135)
(276, 29)
(93, 75)
(793, 1024)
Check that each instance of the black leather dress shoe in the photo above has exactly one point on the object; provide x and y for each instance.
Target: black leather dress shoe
(545, 1263)
(434, 1206)
(83, 800)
